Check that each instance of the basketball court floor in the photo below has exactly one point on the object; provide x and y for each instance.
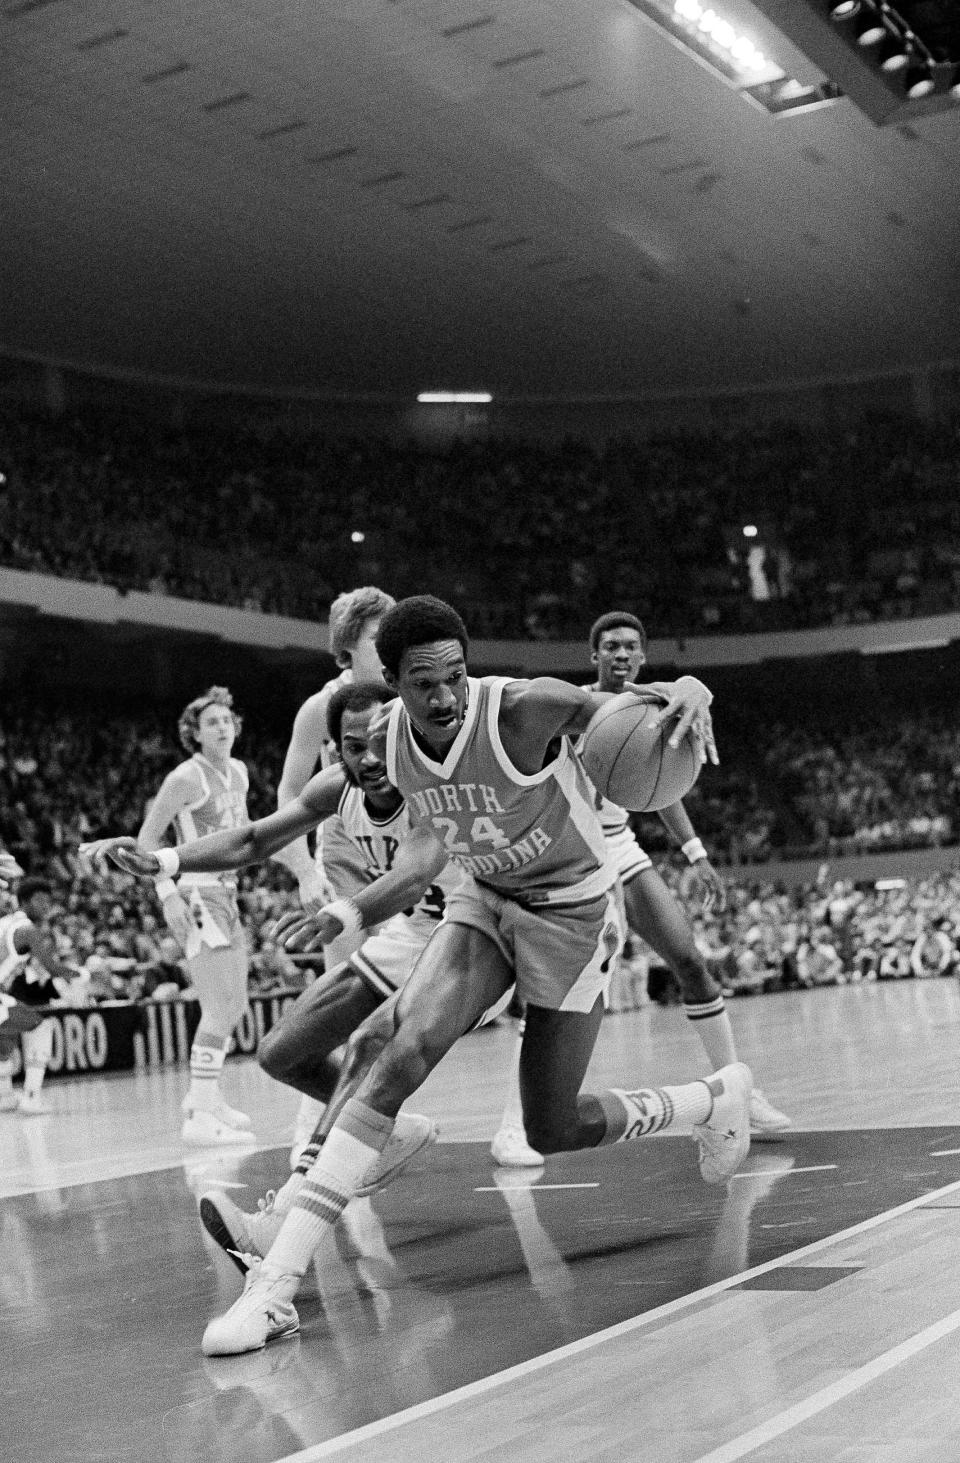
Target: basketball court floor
(609, 1306)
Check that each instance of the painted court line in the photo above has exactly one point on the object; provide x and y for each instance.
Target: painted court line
(778, 1173)
(818, 1402)
(501, 1188)
(333, 1446)
(944, 1152)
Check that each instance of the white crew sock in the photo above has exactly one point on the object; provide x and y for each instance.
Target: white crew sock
(711, 1022)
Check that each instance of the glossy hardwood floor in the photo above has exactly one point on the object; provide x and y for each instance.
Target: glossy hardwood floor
(607, 1307)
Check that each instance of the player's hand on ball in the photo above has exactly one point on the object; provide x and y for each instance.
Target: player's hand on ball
(689, 706)
(9, 868)
(306, 932)
(708, 886)
(125, 852)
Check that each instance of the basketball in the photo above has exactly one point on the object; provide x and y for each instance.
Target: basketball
(627, 756)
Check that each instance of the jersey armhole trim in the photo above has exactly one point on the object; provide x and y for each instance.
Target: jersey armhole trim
(521, 779)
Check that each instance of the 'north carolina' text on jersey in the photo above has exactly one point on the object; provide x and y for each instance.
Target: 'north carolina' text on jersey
(534, 837)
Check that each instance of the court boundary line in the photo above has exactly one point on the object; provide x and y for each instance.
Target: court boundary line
(470, 1390)
(817, 1402)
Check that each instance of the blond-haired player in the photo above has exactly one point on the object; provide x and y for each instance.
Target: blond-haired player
(205, 794)
(354, 621)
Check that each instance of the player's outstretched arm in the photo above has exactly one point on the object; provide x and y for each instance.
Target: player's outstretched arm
(416, 864)
(710, 886)
(534, 712)
(234, 848)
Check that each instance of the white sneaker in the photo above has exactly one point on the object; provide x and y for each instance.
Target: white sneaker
(207, 1130)
(511, 1150)
(232, 1116)
(767, 1122)
(724, 1139)
(33, 1107)
(242, 1235)
(264, 1312)
(411, 1133)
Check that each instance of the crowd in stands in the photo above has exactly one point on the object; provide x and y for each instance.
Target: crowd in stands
(69, 773)
(826, 933)
(526, 540)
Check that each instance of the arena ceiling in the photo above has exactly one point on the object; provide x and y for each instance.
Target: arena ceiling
(537, 197)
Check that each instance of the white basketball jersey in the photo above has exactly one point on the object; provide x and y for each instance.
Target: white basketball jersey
(11, 961)
(356, 836)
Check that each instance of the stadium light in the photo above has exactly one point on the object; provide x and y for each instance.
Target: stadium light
(919, 83)
(463, 398)
(357, 537)
(732, 42)
(750, 530)
(894, 54)
(871, 31)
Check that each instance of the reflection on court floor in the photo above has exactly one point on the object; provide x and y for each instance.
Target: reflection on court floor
(458, 1271)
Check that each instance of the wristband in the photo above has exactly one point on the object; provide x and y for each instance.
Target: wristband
(693, 850)
(169, 861)
(164, 887)
(346, 911)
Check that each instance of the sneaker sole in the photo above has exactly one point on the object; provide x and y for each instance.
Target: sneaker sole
(292, 1330)
(213, 1223)
(388, 1177)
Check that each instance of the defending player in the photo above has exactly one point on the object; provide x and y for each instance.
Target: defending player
(492, 781)
(206, 792)
(353, 624)
(618, 650)
(30, 976)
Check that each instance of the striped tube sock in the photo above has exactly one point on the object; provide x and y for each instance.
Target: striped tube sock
(309, 1156)
(648, 1110)
(207, 1056)
(352, 1147)
(712, 1024)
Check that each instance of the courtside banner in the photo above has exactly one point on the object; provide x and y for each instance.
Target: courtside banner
(118, 1035)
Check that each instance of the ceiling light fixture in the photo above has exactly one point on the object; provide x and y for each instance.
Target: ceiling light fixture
(871, 30)
(919, 82)
(461, 398)
(844, 9)
(894, 54)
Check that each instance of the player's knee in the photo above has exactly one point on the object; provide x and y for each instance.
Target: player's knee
(275, 1054)
(404, 1062)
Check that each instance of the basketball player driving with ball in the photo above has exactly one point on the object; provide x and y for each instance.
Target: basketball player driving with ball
(492, 782)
